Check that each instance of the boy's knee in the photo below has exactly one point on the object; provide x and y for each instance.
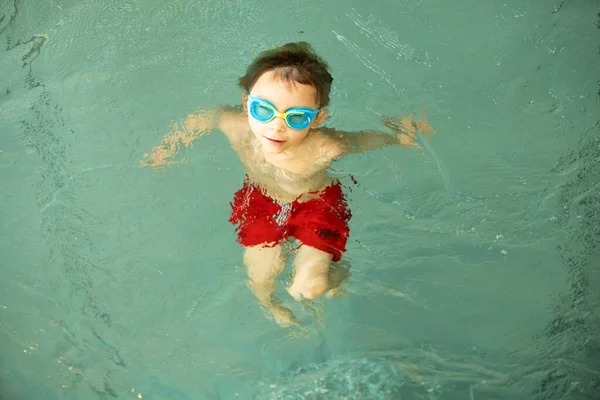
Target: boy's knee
(309, 289)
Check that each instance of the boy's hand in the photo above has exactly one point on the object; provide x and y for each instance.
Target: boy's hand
(180, 134)
(163, 153)
(406, 128)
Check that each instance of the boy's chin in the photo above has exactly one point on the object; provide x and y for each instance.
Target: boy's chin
(269, 150)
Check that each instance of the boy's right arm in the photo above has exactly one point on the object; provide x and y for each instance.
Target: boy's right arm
(227, 119)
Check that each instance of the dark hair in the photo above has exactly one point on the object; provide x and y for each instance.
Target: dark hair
(292, 62)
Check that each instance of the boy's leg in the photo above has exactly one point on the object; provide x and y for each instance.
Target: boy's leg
(311, 273)
(264, 265)
(339, 273)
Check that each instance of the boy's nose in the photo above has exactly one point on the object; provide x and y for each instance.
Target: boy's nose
(277, 125)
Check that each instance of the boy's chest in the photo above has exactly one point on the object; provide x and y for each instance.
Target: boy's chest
(301, 165)
(304, 165)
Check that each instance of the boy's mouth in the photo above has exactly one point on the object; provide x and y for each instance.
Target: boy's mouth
(275, 141)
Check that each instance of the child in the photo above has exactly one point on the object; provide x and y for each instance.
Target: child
(287, 191)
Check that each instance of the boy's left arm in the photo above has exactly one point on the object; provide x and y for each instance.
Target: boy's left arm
(357, 142)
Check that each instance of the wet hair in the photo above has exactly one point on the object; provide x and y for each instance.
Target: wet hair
(292, 62)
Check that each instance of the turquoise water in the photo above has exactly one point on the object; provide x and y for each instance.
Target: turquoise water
(475, 259)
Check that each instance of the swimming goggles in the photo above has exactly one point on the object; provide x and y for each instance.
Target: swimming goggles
(296, 117)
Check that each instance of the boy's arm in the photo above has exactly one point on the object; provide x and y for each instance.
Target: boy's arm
(357, 142)
(228, 119)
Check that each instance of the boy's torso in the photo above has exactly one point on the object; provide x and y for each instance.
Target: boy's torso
(286, 177)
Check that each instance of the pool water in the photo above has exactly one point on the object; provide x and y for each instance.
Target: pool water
(475, 259)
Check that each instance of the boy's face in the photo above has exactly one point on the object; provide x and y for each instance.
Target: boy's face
(275, 136)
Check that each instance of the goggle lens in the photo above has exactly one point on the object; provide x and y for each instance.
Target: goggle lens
(298, 121)
(263, 111)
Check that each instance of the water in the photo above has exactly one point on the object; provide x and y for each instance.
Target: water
(474, 259)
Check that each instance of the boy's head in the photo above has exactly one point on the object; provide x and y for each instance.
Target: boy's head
(292, 63)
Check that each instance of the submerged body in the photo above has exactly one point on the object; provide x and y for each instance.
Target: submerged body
(287, 190)
(283, 177)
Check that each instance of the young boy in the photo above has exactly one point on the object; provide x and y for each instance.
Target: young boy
(287, 192)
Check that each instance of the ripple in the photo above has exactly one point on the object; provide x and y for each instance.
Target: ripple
(408, 373)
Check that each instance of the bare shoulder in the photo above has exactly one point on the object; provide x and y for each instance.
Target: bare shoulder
(233, 122)
(330, 141)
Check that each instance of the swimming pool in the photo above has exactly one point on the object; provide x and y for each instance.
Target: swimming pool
(474, 259)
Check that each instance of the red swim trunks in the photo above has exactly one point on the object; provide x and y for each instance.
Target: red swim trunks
(321, 222)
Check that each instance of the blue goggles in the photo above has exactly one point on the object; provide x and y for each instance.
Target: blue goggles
(296, 117)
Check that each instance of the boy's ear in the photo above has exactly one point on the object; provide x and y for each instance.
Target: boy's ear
(321, 118)
(245, 101)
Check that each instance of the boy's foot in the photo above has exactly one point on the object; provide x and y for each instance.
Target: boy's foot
(284, 317)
